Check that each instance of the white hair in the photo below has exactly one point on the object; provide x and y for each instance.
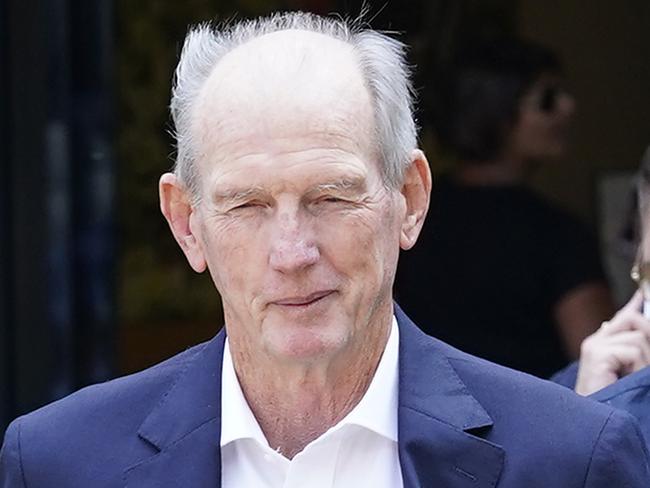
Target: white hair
(382, 62)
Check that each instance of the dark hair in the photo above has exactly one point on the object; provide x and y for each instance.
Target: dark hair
(479, 100)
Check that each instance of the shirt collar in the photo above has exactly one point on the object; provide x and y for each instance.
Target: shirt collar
(377, 410)
(237, 419)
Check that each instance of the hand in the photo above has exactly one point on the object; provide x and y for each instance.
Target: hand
(620, 347)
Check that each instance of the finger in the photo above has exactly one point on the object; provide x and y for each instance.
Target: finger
(628, 337)
(609, 352)
(625, 320)
(639, 322)
(643, 357)
(627, 359)
(645, 349)
(601, 364)
(596, 373)
(635, 303)
(589, 380)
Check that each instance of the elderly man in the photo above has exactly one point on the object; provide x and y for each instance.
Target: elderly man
(297, 182)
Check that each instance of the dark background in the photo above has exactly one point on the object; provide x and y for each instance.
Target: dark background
(91, 283)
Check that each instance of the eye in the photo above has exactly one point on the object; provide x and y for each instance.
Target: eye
(248, 205)
(330, 199)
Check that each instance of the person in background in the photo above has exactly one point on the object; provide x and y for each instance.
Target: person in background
(614, 361)
(499, 271)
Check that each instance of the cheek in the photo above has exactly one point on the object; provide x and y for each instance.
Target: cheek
(363, 248)
(232, 254)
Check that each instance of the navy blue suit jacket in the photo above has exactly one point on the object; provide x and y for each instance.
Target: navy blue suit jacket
(463, 423)
(631, 393)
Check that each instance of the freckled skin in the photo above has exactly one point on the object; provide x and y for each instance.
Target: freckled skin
(290, 241)
(296, 227)
(288, 238)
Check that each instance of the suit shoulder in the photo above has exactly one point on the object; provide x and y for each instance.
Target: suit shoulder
(607, 443)
(99, 427)
(123, 401)
(505, 389)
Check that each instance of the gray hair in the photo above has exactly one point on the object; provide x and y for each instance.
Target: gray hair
(382, 61)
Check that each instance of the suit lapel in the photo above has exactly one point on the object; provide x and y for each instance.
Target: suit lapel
(440, 422)
(185, 427)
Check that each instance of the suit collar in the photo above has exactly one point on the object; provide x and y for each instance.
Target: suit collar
(195, 396)
(185, 426)
(440, 422)
(429, 384)
(193, 399)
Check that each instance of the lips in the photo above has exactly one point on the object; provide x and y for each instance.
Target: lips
(304, 300)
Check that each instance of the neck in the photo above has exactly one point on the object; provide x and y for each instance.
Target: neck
(295, 404)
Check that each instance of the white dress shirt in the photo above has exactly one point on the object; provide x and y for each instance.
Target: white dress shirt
(361, 450)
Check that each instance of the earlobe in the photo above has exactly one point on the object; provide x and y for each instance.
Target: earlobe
(175, 205)
(416, 191)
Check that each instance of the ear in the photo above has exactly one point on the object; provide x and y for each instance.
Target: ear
(175, 205)
(416, 190)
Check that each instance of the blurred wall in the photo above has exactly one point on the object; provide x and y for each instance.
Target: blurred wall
(6, 376)
(605, 47)
(56, 287)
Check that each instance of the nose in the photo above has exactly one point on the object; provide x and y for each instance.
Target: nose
(293, 247)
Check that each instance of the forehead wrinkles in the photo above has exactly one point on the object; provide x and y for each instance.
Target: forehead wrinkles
(299, 139)
(239, 178)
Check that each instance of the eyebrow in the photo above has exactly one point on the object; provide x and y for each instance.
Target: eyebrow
(344, 185)
(236, 194)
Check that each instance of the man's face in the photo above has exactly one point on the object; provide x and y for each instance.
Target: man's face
(300, 236)
(296, 227)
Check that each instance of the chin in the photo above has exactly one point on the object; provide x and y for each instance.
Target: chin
(305, 344)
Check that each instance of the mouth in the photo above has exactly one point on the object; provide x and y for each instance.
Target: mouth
(304, 300)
